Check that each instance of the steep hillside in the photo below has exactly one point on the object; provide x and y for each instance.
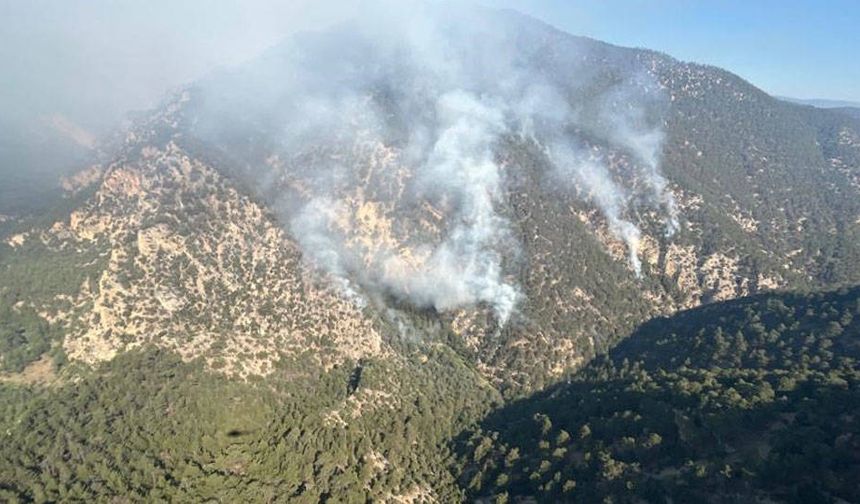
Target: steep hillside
(528, 213)
(742, 401)
(765, 192)
(147, 427)
(175, 256)
(785, 175)
(386, 262)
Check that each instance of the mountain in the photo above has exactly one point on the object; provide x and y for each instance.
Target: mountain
(741, 401)
(221, 215)
(734, 161)
(31, 156)
(306, 275)
(822, 103)
(845, 107)
(851, 111)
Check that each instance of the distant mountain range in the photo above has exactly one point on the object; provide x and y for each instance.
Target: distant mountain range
(822, 103)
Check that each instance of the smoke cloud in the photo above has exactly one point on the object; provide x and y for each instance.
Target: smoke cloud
(624, 110)
(376, 128)
(74, 70)
(387, 130)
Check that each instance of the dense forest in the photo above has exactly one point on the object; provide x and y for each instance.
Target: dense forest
(746, 400)
(149, 427)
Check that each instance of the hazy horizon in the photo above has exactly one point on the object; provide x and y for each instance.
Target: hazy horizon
(91, 63)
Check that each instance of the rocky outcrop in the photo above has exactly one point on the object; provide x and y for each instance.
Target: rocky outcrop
(199, 268)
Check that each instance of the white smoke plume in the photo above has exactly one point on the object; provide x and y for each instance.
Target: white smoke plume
(599, 187)
(624, 111)
(430, 92)
(459, 172)
(466, 266)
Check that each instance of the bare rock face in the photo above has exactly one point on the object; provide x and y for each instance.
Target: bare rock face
(195, 266)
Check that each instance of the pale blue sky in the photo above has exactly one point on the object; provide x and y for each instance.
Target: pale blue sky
(797, 48)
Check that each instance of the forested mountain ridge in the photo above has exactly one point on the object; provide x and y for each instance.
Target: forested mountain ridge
(147, 426)
(766, 194)
(746, 400)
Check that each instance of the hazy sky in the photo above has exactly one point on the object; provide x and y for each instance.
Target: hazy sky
(91, 60)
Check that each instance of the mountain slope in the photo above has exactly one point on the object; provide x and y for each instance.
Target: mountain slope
(147, 426)
(182, 260)
(747, 400)
(226, 227)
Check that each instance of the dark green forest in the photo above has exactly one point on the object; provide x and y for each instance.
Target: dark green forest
(148, 427)
(741, 401)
